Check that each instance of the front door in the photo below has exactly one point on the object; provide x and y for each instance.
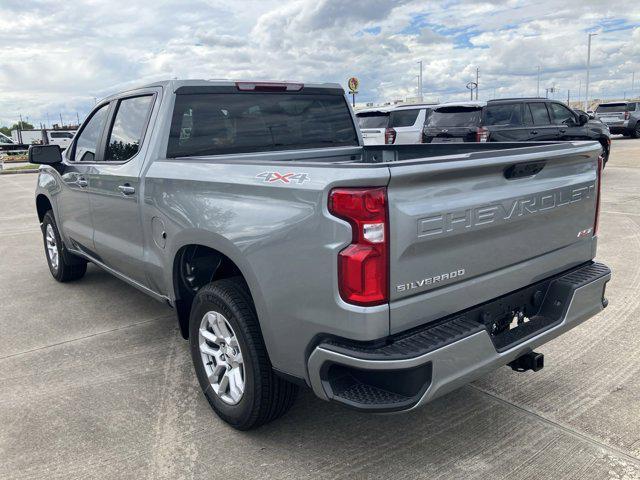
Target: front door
(567, 121)
(74, 211)
(115, 189)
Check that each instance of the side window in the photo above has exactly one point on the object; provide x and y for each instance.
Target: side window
(507, 114)
(404, 118)
(128, 128)
(633, 107)
(528, 116)
(561, 114)
(539, 113)
(61, 135)
(85, 149)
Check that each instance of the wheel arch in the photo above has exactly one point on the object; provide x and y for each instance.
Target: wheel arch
(43, 205)
(211, 263)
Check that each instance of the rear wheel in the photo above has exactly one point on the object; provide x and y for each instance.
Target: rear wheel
(230, 358)
(64, 266)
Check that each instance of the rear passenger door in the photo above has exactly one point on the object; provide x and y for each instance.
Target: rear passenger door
(537, 119)
(504, 122)
(115, 186)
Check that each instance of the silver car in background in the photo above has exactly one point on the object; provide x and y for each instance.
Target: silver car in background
(621, 117)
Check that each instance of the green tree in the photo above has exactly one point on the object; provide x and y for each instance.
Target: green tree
(7, 130)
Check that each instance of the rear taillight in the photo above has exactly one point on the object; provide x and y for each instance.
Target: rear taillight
(626, 115)
(596, 222)
(363, 266)
(482, 134)
(389, 136)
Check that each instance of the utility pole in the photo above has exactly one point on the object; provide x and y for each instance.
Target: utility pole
(586, 94)
(420, 82)
(77, 119)
(568, 96)
(538, 94)
(60, 120)
(633, 81)
(477, 79)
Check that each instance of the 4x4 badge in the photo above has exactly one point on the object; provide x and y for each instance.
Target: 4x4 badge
(271, 177)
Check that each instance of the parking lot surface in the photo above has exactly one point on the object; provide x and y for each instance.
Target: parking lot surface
(96, 382)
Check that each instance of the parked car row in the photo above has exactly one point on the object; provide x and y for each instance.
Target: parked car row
(504, 120)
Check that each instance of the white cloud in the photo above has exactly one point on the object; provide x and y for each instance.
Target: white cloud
(58, 56)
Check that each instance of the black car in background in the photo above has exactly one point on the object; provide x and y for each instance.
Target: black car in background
(513, 120)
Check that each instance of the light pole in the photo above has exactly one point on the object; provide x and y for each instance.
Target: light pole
(579, 92)
(420, 82)
(538, 94)
(586, 91)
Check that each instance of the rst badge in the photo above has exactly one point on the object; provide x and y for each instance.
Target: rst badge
(272, 177)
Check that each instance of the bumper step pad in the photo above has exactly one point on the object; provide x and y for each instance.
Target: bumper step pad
(544, 304)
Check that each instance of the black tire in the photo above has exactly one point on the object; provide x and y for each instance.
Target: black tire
(69, 267)
(636, 131)
(266, 396)
(605, 154)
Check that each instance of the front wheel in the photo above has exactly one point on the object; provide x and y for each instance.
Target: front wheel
(64, 266)
(636, 131)
(230, 358)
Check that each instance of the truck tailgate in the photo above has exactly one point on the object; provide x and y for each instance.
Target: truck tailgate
(465, 230)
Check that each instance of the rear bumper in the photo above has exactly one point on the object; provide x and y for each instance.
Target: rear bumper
(409, 369)
(619, 130)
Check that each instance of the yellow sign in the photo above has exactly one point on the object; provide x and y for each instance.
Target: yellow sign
(354, 83)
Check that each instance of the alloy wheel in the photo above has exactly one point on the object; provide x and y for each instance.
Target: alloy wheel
(222, 357)
(52, 246)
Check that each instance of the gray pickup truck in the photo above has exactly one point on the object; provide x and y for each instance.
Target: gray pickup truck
(381, 277)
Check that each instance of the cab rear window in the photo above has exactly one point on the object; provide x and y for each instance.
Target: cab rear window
(227, 123)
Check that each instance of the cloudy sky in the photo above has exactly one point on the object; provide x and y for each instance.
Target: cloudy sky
(58, 56)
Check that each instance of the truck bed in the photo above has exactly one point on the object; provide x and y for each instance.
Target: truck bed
(426, 151)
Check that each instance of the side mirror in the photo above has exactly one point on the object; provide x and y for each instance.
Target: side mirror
(583, 118)
(45, 154)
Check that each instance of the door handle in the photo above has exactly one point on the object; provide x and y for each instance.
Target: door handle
(563, 130)
(82, 182)
(126, 189)
(533, 132)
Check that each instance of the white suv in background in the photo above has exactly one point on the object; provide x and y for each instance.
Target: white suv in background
(393, 125)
